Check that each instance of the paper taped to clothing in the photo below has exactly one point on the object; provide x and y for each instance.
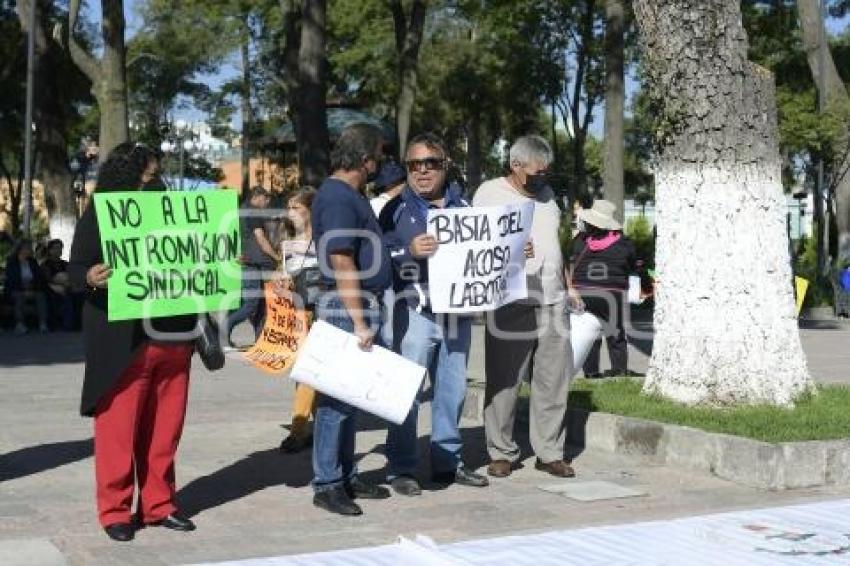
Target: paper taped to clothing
(377, 381)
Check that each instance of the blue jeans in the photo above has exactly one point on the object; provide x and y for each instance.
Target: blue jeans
(253, 303)
(334, 425)
(441, 344)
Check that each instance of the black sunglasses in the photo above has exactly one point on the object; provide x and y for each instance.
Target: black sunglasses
(429, 163)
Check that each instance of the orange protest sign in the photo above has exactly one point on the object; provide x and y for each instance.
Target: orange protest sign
(283, 332)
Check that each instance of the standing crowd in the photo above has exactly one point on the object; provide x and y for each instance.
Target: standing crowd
(370, 261)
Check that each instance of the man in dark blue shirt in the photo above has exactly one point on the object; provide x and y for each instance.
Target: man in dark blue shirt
(355, 271)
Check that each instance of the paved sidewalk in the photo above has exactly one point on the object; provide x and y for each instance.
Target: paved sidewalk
(250, 501)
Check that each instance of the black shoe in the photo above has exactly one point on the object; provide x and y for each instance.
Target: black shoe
(461, 476)
(176, 522)
(296, 443)
(359, 489)
(623, 373)
(122, 532)
(336, 500)
(406, 485)
(596, 375)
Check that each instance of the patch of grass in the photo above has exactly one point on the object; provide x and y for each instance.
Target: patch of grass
(822, 416)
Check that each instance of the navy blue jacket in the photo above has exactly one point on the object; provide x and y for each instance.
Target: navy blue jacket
(402, 219)
(14, 282)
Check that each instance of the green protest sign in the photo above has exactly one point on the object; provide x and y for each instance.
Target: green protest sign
(170, 252)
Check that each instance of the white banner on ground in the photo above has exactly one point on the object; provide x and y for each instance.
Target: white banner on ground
(480, 262)
(377, 381)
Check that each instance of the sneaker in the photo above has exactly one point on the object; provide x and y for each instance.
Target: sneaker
(406, 485)
(461, 476)
(20, 329)
(336, 500)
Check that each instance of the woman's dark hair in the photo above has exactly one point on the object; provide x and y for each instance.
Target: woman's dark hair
(356, 144)
(303, 196)
(53, 243)
(123, 168)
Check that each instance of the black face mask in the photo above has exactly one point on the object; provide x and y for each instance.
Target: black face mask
(535, 183)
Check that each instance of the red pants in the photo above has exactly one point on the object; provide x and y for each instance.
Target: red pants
(137, 427)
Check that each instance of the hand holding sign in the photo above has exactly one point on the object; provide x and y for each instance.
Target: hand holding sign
(423, 245)
(98, 275)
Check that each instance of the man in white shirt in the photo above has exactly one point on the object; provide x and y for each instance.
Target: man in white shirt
(533, 332)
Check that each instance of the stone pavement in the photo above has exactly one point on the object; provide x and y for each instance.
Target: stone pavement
(250, 501)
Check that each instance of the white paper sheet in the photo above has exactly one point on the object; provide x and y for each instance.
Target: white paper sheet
(377, 381)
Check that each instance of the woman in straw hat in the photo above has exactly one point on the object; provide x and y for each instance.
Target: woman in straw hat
(602, 258)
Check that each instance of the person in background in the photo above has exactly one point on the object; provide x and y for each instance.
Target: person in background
(602, 258)
(355, 271)
(299, 253)
(529, 335)
(136, 381)
(25, 281)
(438, 342)
(390, 182)
(62, 302)
(260, 258)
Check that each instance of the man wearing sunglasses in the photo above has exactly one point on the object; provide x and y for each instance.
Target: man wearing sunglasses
(530, 334)
(438, 342)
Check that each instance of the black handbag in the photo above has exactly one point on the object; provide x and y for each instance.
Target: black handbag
(207, 344)
(307, 281)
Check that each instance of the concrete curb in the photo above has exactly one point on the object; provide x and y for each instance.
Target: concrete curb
(763, 465)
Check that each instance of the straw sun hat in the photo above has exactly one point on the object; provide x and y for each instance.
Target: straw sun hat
(600, 215)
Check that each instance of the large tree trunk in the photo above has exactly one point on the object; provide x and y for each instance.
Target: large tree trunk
(615, 96)
(408, 41)
(108, 75)
(247, 118)
(312, 122)
(51, 141)
(836, 98)
(726, 331)
(113, 85)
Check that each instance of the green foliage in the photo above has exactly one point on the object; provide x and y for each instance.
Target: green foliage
(816, 416)
(819, 293)
(640, 232)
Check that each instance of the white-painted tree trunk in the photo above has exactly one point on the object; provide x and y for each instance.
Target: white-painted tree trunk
(726, 331)
(62, 227)
(726, 327)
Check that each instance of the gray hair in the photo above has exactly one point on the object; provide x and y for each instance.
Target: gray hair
(531, 149)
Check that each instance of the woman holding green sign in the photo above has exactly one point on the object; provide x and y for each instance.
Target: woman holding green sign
(136, 377)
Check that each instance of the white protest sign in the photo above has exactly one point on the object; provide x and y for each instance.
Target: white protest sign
(480, 262)
(378, 381)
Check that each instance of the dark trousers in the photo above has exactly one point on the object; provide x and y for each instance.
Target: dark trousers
(614, 328)
(253, 304)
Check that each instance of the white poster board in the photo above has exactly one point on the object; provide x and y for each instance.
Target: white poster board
(377, 381)
(479, 264)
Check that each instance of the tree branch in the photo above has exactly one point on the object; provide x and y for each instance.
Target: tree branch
(87, 64)
(399, 24)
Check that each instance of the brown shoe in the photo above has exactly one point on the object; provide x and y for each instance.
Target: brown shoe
(499, 468)
(558, 468)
